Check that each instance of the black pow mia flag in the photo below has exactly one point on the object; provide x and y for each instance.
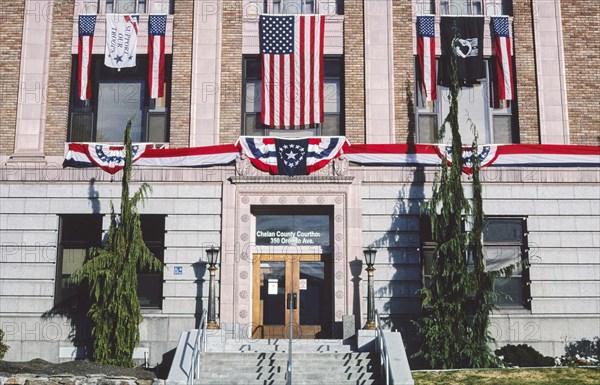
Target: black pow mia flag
(463, 38)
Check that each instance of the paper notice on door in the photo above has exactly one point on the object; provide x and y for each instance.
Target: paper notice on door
(302, 284)
(272, 286)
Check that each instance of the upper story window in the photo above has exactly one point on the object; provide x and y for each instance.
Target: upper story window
(293, 7)
(128, 6)
(494, 119)
(333, 95)
(464, 7)
(117, 96)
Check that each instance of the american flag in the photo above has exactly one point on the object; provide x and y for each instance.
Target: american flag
(292, 70)
(426, 55)
(87, 25)
(156, 54)
(504, 62)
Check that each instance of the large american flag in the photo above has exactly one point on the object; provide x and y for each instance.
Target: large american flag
(87, 25)
(292, 70)
(156, 54)
(504, 62)
(426, 56)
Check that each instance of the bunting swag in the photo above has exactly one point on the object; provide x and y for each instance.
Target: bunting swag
(298, 156)
(121, 40)
(111, 158)
(462, 37)
(426, 54)
(503, 53)
(292, 70)
(87, 25)
(302, 156)
(157, 25)
(510, 155)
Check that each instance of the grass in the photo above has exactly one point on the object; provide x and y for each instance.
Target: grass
(549, 376)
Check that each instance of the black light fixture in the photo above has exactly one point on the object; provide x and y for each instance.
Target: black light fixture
(212, 256)
(370, 254)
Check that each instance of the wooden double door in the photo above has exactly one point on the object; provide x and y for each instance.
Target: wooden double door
(308, 276)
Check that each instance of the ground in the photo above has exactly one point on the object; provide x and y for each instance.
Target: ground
(76, 368)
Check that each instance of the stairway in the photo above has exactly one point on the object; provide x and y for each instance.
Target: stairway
(264, 362)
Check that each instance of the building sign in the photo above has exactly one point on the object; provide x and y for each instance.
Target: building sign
(292, 230)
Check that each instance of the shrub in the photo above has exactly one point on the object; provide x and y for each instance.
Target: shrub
(582, 352)
(3, 346)
(523, 356)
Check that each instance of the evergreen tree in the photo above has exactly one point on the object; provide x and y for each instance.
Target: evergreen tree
(458, 303)
(111, 274)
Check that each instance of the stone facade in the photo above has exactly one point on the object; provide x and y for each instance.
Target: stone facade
(525, 72)
(11, 28)
(582, 55)
(231, 72)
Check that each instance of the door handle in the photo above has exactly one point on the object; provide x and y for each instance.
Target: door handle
(292, 301)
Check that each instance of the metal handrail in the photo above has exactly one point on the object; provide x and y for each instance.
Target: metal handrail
(200, 343)
(288, 373)
(383, 350)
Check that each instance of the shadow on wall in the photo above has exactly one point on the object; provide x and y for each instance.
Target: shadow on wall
(402, 305)
(200, 269)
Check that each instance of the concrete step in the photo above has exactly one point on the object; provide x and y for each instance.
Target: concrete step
(296, 381)
(295, 355)
(282, 346)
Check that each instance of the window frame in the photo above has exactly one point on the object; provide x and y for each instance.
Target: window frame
(523, 275)
(311, 131)
(492, 108)
(487, 7)
(140, 7)
(61, 297)
(150, 108)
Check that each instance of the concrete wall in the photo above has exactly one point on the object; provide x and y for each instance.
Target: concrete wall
(563, 220)
(29, 225)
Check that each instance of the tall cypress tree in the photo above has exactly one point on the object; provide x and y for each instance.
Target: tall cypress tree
(458, 303)
(111, 274)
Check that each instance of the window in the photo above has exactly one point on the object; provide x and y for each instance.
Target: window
(77, 234)
(464, 7)
(150, 284)
(80, 232)
(128, 6)
(333, 95)
(116, 96)
(294, 7)
(494, 120)
(505, 243)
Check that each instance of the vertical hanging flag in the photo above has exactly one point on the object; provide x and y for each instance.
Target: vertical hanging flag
(426, 55)
(157, 25)
(463, 38)
(87, 25)
(292, 70)
(121, 40)
(503, 53)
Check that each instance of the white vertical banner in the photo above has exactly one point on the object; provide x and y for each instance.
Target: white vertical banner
(121, 40)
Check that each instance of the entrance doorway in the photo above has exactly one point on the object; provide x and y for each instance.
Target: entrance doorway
(306, 275)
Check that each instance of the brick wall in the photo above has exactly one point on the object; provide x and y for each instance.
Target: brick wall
(404, 74)
(181, 90)
(529, 129)
(581, 37)
(231, 71)
(59, 79)
(11, 30)
(354, 66)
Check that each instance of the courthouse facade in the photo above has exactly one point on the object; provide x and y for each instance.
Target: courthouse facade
(277, 232)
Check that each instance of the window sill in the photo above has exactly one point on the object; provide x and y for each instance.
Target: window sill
(509, 310)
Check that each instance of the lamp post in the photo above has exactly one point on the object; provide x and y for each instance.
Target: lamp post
(213, 258)
(370, 261)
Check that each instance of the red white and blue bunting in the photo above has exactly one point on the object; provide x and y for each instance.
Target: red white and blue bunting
(299, 158)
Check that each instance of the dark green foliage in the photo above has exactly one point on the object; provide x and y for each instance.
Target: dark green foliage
(111, 274)
(523, 356)
(460, 298)
(584, 348)
(3, 346)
